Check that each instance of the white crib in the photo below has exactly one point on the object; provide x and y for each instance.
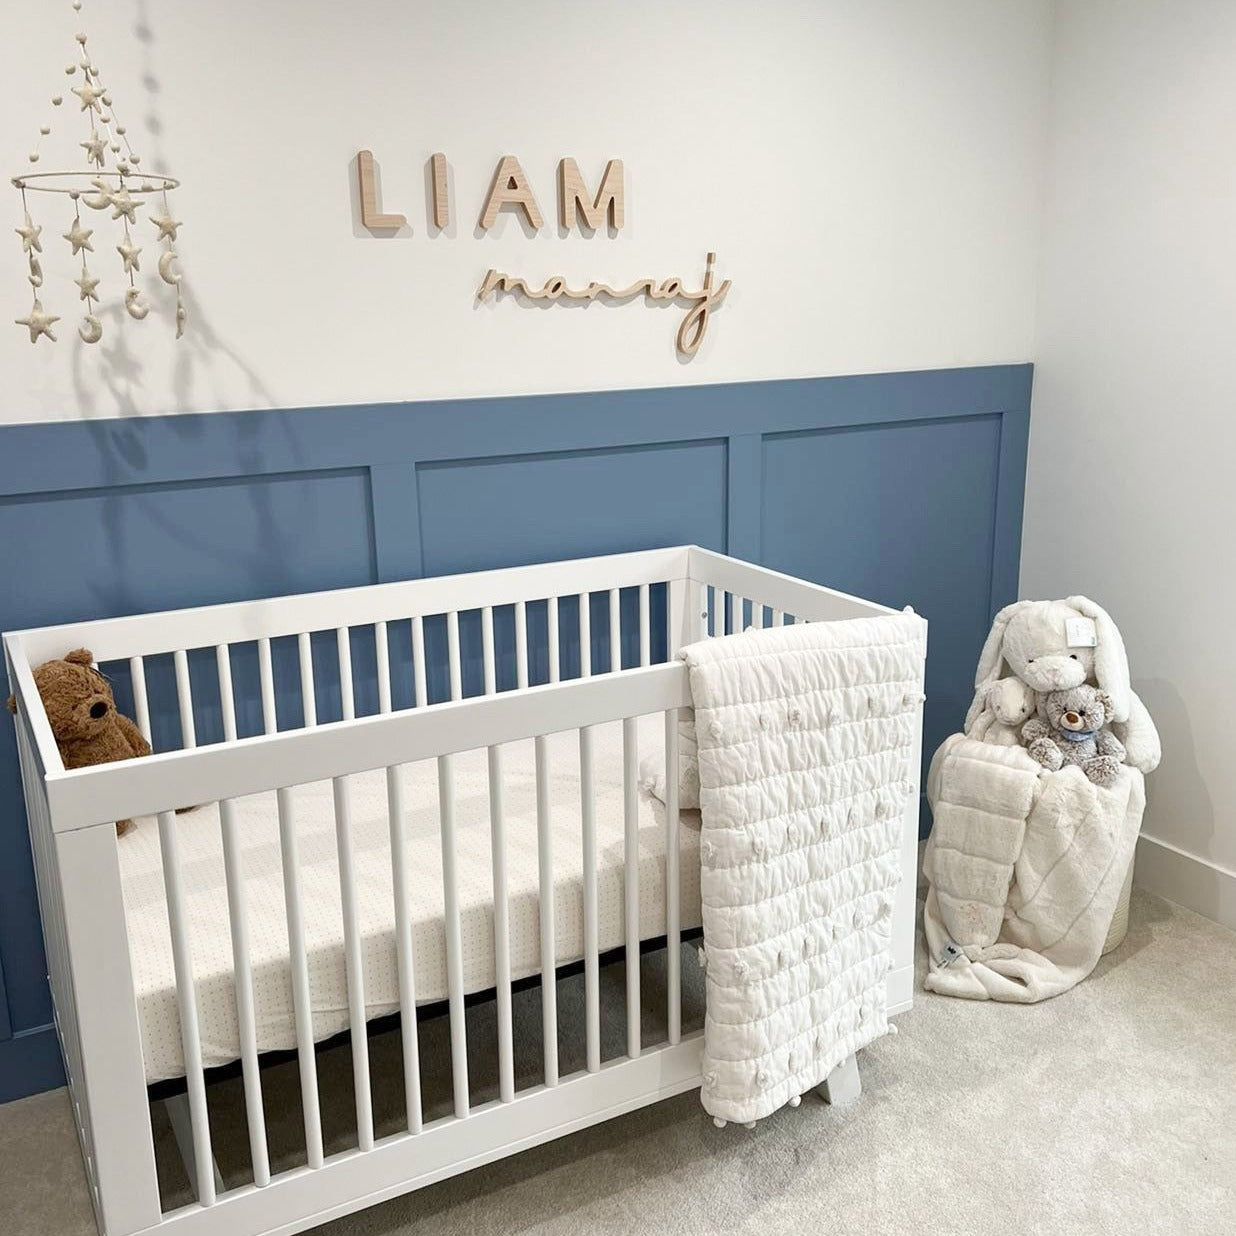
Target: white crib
(172, 925)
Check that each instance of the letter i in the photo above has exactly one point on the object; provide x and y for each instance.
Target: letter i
(441, 192)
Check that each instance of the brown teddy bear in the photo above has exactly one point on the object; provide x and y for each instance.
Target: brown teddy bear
(80, 706)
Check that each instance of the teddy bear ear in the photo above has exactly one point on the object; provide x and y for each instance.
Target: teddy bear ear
(1105, 702)
(13, 704)
(80, 656)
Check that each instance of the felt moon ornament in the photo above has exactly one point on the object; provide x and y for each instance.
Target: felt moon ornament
(131, 305)
(165, 268)
(91, 330)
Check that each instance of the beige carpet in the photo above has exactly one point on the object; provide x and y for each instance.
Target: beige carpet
(1109, 1109)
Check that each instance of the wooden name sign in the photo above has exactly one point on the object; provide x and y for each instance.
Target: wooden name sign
(510, 188)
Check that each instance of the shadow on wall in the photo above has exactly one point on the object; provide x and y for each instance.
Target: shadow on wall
(1177, 786)
(114, 368)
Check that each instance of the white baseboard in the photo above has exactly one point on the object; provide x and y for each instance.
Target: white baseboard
(1186, 879)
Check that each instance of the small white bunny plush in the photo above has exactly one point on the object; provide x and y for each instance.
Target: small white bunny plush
(1000, 709)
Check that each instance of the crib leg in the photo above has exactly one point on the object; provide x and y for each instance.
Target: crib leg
(177, 1108)
(843, 1085)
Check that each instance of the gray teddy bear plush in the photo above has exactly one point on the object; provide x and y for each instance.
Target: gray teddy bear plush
(1069, 729)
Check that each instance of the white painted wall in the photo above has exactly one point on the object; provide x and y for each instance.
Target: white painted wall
(869, 172)
(1130, 495)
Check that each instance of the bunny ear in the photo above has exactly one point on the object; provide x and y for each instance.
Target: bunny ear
(992, 656)
(1111, 664)
(977, 706)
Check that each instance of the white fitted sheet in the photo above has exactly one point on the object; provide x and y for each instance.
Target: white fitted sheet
(202, 876)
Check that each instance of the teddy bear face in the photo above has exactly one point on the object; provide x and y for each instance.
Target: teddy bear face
(1037, 650)
(77, 699)
(1081, 710)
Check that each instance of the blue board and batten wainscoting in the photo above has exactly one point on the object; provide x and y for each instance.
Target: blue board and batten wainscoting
(905, 487)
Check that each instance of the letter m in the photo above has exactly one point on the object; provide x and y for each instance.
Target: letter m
(573, 195)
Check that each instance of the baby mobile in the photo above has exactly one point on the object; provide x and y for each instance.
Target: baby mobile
(113, 182)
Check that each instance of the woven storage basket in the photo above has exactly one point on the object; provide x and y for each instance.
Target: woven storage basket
(1120, 919)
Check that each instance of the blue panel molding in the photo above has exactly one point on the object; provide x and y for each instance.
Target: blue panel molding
(906, 487)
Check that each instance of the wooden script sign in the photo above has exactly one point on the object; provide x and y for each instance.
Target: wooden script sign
(605, 208)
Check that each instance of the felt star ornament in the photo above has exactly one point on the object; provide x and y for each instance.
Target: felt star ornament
(124, 205)
(79, 237)
(38, 323)
(29, 236)
(129, 251)
(87, 283)
(93, 146)
(168, 227)
(89, 95)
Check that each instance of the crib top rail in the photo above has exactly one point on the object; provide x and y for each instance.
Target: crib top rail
(116, 639)
(86, 797)
(283, 757)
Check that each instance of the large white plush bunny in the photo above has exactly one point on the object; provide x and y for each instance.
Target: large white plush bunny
(1047, 645)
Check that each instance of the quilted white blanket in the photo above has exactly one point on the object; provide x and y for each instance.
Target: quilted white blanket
(1025, 867)
(805, 735)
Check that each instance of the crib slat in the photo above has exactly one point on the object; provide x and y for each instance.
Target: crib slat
(227, 701)
(585, 635)
(487, 650)
(347, 699)
(454, 936)
(137, 674)
(545, 871)
(757, 615)
(383, 649)
(266, 674)
(630, 877)
(452, 654)
(354, 965)
(403, 950)
(521, 644)
(778, 617)
(186, 1004)
(555, 668)
(242, 971)
(299, 965)
(645, 625)
(592, 970)
(419, 685)
(502, 928)
(673, 935)
(615, 630)
(308, 694)
(184, 697)
(733, 606)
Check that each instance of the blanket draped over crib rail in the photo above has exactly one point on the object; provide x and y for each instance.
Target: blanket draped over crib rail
(805, 738)
(1025, 867)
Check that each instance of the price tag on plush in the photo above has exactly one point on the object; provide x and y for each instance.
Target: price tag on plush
(1080, 632)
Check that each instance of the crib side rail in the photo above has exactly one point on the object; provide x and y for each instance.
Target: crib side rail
(88, 796)
(732, 582)
(86, 943)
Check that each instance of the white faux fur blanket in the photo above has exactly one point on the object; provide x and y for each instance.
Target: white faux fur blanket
(805, 735)
(1025, 868)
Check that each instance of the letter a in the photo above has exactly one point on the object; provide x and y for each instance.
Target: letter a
(510, 186)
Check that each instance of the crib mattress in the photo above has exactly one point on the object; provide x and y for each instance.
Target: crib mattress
(202, 871)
